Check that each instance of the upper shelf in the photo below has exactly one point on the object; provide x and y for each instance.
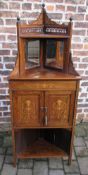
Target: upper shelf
(43, 36)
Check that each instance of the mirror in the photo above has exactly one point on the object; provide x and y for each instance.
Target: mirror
(32, 53)
(55, 53)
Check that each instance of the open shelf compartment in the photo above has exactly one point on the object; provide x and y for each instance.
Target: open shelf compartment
(36, 143)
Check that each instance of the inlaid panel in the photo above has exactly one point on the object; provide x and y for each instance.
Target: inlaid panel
(59, 110)
(27, 108)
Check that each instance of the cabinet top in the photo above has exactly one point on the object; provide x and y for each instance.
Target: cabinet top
(44, 74)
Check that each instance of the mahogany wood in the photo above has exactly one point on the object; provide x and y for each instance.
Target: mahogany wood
(43, 99)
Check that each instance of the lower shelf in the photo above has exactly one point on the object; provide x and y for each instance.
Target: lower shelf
(36, 143)
(41, 149)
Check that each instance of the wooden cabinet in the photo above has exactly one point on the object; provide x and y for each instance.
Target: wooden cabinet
(43, 90)
(43, 118)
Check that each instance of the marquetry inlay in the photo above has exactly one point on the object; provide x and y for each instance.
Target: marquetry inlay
(27, 30)
(56, 30)
(59, 108)
(44, 29)
(27, 109)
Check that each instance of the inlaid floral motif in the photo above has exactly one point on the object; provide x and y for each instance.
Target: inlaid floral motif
(60, 109)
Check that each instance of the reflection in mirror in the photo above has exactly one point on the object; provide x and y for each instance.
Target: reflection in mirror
(54, 53)
(32, 53)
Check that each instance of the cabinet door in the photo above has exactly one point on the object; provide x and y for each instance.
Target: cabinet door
(59, 108)
(26, 108)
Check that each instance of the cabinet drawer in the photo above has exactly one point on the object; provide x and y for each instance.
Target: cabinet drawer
(43, 85)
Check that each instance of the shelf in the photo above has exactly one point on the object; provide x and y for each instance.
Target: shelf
(33, 143)
(41, 149)
(32, 35)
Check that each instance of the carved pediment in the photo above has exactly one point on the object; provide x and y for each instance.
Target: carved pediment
(44, 25)
(43, 19)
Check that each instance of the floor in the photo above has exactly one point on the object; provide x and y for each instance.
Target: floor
(50, 166)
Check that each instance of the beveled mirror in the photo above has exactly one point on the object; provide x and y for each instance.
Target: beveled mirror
(32, 53)
(54, 53)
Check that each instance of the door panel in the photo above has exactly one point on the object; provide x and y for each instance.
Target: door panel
(27, 108)
(59, 108)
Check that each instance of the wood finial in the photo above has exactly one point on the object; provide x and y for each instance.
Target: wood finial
(71, 19)
(43, 5)
(18, 19)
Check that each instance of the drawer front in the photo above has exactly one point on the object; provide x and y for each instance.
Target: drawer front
(43, 85)
(26, 109)
(60, 107)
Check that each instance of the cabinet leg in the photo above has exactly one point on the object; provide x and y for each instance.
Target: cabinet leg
(14, 148)
(69, 160)
(14, 161)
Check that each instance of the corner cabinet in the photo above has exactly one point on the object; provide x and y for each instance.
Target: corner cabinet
(43, 90)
